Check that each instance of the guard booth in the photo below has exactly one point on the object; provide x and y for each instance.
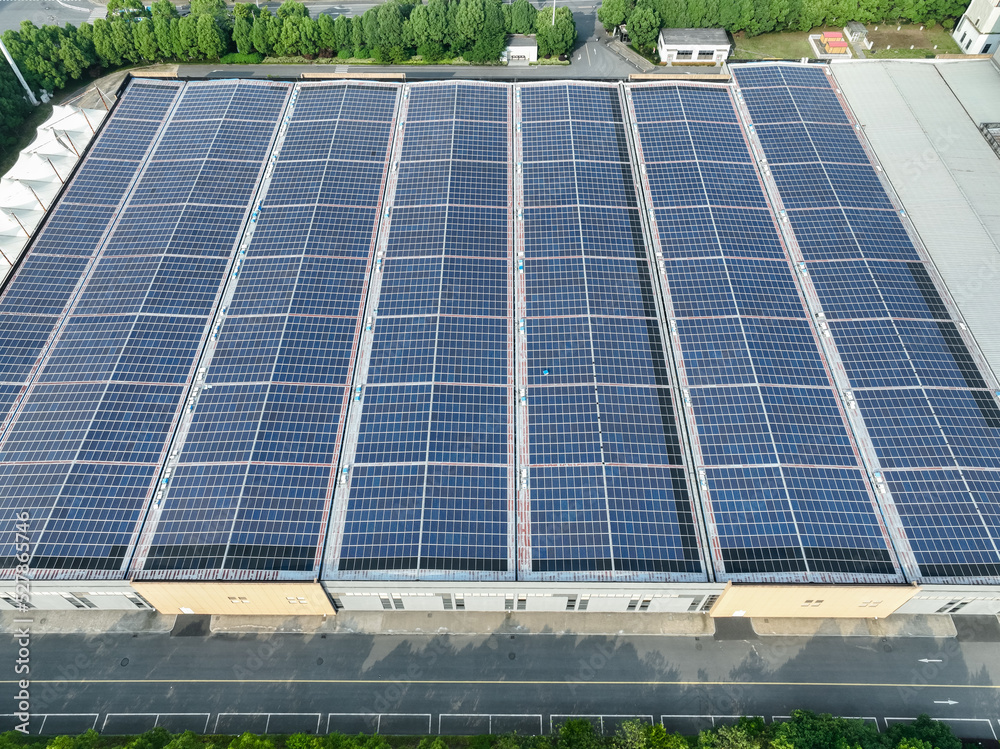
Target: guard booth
(706, 46)
(521, 49)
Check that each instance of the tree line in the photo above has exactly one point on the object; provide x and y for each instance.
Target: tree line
(52, 56)
(803, 730)
(645, 18)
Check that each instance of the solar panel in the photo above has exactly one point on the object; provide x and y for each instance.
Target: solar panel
(278, 365)
(785, 493)
(434, 387)
(929, 411)
(53, 423)
(602, 435)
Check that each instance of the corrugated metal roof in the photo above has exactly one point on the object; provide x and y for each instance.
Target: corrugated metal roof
(942, 169)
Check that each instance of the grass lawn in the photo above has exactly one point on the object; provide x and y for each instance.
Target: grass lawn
(784, 45)
(28, 131)
(899, 41)
(792, 45)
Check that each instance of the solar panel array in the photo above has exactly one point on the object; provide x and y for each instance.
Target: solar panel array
(430, 474)
(608, 491)
(929, 412)
(93, 424)
(785, 494)
(253, 480)
(479, 331)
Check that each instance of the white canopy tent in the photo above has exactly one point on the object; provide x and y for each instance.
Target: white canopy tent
(28, 189)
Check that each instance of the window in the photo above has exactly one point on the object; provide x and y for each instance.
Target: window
(459, 602)
(987, 48)
(397, 602)
(684, 54)
(446, 600)
(238, 599)
(968, 44)
(522, 603)
(584, 603)
(338, 603)
(706, 54)
(508, 603)
(632, 604)
(296, 600)
(644, 606)
(812, 603)
(571, 603)
(962, 40)
(386, 603)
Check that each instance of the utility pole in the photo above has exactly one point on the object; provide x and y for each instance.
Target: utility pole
(31, 95)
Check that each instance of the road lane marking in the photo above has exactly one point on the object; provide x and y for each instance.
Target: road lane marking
(512, 682)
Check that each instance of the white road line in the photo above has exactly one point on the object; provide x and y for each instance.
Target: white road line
(987, 721)
(344, 715)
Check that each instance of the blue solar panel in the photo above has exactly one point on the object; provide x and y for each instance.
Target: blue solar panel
(766, 417)
(283, 354)
(437, 387)
(80, 406)
(592, 318)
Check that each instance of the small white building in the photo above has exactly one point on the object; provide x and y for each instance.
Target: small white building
(978, 31)
(693, 45)
(521, 49)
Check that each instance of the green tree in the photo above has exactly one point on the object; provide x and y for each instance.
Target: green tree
(369, 22)
(673, 13)
(748, 733)
(577, 733)
(144, 35)
(658, 738)
(470, 20)
(249, 741)
(164, 8)
(260, 35)
(215, 8)
(357, 35)
(390, 28)
(630, 735)
(522, 17)
(155, 738)
(613, 13)
(161, 29)
(923, 729)
(211, 44)
(243, 35)
(126, 9)
(103, 45)
(121, 37)
(327, 32)
(342, 30)
(557, 38)
(187, 37)
(188, 740)
(85, 41)
(292, 9)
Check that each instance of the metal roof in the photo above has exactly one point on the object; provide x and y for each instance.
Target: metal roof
(694, 36)
(922, 120)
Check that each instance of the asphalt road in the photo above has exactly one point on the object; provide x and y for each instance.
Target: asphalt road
(500, 682)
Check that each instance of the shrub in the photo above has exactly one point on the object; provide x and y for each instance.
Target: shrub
(235, 58)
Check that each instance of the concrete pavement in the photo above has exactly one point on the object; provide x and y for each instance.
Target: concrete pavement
(502, 680)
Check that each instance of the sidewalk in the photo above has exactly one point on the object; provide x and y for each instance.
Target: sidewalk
(899, 625)
(634, 58)
(479, 623)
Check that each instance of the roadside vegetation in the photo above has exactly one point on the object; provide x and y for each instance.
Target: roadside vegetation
(803, 730)
(751, 18)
